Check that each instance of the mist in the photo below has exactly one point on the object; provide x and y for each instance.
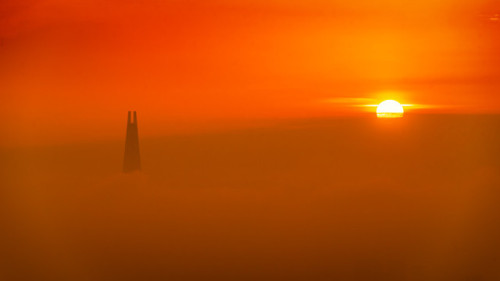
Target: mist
(414, 198)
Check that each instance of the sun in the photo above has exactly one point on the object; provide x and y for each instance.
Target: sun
(390, 109)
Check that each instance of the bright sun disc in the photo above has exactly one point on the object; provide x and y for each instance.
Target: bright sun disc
(390, 109)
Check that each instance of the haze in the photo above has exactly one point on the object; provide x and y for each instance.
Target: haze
(192, 65)
(262, 156)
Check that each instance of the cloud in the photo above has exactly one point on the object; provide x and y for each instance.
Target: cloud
(349, 101)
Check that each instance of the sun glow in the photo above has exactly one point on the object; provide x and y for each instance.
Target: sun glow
(390, 109)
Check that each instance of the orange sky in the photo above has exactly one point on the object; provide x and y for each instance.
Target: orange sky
(71, 69)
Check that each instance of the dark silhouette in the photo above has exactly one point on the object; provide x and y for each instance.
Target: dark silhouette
(132, 161)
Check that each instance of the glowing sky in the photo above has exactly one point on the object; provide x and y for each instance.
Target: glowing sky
(71, 69)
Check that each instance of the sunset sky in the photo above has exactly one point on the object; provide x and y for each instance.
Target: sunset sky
(279, 140)
(71, 69)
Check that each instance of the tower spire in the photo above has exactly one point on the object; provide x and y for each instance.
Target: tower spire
(131, 161)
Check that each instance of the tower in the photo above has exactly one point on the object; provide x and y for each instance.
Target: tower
(131, 161)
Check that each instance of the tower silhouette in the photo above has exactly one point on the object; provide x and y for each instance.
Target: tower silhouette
(131, 161)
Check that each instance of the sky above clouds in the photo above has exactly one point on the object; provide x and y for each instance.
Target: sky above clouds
(71, 69)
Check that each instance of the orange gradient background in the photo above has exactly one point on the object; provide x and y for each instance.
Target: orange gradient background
(262, 157)
(71, 69)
